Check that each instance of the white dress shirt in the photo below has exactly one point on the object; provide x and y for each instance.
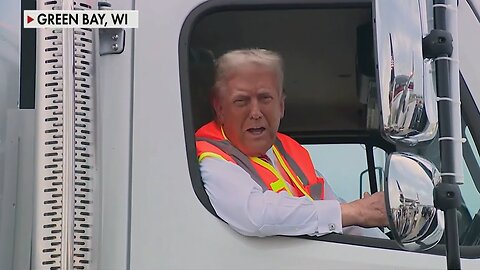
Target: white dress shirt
(243, 204)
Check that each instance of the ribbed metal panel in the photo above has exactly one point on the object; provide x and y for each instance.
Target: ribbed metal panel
(62, 233)
(84, 139)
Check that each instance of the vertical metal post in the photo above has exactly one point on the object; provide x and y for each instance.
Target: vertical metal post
(447, 136)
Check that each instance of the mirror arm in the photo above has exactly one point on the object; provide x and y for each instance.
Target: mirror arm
(437, 43)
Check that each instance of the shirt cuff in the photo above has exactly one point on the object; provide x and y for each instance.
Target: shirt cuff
(329, 217)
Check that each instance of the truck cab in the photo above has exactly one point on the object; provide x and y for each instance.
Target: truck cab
(116, 171)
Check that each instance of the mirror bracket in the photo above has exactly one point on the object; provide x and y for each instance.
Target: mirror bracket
(437, 43)
(446, 196)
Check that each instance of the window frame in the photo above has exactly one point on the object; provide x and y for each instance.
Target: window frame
(370, 138)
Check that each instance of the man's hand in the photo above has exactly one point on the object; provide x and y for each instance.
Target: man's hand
(367, 212)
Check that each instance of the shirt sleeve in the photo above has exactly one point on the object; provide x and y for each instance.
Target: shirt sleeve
(242, 203)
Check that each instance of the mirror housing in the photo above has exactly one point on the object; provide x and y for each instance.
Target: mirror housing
(409, 182)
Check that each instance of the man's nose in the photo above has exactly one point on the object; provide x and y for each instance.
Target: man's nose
(255, 111)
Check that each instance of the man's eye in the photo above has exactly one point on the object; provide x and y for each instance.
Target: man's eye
(267, 98)
(239, 101)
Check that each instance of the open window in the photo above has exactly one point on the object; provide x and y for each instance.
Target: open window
(331, 102)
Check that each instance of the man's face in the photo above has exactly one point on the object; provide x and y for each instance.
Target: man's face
(250, 108)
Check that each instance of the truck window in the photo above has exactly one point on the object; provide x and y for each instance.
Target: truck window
(345, 168)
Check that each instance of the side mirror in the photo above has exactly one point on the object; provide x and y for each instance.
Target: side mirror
(414, 221)
(405, 79)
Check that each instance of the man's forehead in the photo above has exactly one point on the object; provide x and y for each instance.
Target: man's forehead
(249, 91)
(248, 76)
(253, 77)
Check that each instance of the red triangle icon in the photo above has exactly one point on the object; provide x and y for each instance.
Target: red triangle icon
(29, 19)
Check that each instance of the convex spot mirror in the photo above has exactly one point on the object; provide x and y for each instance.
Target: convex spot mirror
(409, 182)
(405, 80)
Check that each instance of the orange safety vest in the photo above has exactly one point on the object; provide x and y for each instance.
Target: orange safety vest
(293, 158)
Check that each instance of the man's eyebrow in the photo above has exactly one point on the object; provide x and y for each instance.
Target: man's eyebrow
(239, 95)
(268, 92)
(240, 90)
(264, 91)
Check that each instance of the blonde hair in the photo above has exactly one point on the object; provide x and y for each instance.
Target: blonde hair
(227, 64)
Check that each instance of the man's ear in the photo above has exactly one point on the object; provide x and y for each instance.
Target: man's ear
(282, 105)
(217, 106)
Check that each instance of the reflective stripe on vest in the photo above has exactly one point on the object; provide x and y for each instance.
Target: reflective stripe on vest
(293, 177)
(240, 159)
(209, 154)
(280, 184)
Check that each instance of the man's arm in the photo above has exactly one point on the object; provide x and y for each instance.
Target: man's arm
(241, 202)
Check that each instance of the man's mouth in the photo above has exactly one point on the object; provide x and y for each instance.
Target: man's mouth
(256, 131)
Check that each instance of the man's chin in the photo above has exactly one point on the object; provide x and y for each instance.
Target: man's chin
(257, 150)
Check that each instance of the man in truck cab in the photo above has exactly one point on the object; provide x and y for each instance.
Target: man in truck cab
(262, 182)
